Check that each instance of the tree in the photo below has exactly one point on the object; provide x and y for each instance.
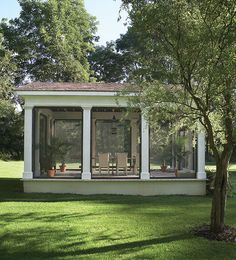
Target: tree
(120, 61)
(51, 40)
(107, 64)
(7, 72)
(11, 131)
(131, 46)
(193, 44)
(114, 62)
(11, 122)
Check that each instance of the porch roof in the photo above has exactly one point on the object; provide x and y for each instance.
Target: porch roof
(80, 87)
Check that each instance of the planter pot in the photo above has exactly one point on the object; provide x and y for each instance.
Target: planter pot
(63, 168)
(176, 173)
(163, 168)
(51, 173)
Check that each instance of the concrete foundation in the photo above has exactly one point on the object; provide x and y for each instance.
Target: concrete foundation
(124, 187)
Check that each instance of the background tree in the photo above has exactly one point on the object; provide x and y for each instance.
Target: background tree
(11, 121)
(11, 132)
(114, 62)
(7, 72)
(120, 60)
(51, 40)
(107, 64)
(133, 47)
(193, 45)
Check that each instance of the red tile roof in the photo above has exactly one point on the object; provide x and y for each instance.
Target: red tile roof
(97, 87)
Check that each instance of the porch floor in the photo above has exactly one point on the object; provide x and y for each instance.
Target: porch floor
(120, 175)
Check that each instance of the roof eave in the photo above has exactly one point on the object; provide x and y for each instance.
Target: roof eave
(72, 93)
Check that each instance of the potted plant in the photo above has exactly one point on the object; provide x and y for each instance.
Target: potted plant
(165, 156)
(50, 159)
(63, 149)
(54, 152)
(62, 167)
(164, 166)
(179, 153)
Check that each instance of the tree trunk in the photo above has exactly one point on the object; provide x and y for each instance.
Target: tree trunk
(220, 192)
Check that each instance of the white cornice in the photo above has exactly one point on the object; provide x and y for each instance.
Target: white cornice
(70, 93)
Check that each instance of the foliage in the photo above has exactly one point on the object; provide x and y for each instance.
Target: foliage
(175, 151)
(63, 150)
(193, 45)
(110, 64)
(11, 124)
(51, 40)
(132, 46)
(69, 132)
(106, 63)
(11, 131)
(5, 156)
(7, 72)
(54, 152)
(119, 61)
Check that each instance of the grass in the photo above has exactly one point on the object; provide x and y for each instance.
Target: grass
(211, 166)
(11, 169)
(53, 226)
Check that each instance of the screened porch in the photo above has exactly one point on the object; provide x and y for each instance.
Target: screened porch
(57, 142)
(113, 143)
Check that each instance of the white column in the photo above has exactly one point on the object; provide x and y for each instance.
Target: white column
(134, 142)
(190, 150)
(49, 130)
(134, 138)
(86, 174)
(94, 142)
(173, 161)
(37, 144)
(145, 175)
(201, 174)
(28, 174)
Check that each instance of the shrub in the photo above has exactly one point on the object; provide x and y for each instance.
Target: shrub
(5, 156)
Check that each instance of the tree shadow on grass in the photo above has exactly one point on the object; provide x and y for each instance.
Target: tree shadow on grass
(134, 245)
(32, 244)
(43, 217)
(10, 185)
(36, 248)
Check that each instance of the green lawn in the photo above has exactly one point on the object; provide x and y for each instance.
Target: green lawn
(232, 167)
(47, 226)
(12, 169)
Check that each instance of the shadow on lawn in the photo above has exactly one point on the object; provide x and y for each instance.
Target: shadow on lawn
(34, 245)
(73, 246)
(10, 185)
(47, 218)
(134, 245)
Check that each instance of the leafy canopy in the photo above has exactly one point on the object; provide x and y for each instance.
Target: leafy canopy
(11, 122)
(107, 64)
(7, 72)
(114, 62)
(51, 40)
(193, 45)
